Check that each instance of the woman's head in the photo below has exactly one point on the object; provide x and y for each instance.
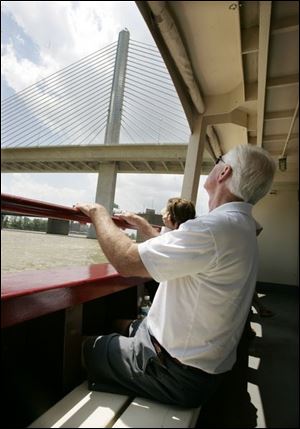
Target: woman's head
(177, 211)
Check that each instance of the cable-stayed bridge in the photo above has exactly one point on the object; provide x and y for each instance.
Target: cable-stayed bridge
(77, 118)
(114, 111)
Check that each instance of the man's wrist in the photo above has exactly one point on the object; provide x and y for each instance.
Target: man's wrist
(97, 211)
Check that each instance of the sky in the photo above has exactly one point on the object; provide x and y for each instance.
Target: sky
(41, 37)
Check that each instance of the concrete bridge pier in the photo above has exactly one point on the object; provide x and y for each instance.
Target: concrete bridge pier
(57, 226)
(105, 193)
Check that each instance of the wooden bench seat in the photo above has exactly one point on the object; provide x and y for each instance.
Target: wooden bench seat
(82, 408)
(143, 413)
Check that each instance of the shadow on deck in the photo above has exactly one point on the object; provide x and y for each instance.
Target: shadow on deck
(262, 390)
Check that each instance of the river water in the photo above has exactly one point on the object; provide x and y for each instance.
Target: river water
(30, 250)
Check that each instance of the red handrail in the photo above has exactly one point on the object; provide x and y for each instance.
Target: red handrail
(25, 206)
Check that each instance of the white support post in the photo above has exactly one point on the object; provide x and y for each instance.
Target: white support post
(194, 157)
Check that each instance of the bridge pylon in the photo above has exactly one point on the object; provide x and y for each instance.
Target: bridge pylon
(107, 176)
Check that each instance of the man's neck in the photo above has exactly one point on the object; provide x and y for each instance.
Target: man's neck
(220, 198)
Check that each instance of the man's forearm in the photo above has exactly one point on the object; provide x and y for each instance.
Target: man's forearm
(119, 249)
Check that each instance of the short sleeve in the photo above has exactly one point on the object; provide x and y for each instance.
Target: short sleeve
(178, 253)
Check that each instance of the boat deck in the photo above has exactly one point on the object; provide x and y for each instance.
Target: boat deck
(272, 376)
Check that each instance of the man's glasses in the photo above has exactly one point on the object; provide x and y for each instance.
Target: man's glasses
(218, 160)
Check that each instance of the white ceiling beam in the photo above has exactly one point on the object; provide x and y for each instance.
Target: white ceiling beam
(280, 137)
(273, 138)
(282, 81)
(176, 47)
(290, 129)
(285, 25)
(264, 31)
(283, 114)
(176, 77)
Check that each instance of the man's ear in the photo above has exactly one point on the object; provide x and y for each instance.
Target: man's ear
(225, 173)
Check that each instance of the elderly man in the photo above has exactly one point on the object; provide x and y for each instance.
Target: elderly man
(207, 272)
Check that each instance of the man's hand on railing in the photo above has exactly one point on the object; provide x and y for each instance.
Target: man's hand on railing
(91, 209)
(119, 249)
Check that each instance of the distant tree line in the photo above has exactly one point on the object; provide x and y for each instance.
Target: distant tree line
(25, 223)
(39, 224)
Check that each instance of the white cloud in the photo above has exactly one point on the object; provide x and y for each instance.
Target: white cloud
(19, 39)
(136, 192)
(20, 73)
(27, 186)
(66, 32)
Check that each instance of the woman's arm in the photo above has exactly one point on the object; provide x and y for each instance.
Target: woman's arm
(141, 224)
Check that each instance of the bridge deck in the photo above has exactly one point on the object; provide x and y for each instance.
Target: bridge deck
(135, 158)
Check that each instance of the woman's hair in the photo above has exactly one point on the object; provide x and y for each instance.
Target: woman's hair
(253, 171)
(180, 210)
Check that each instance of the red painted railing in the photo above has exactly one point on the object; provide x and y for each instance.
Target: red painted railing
(27, 295)
(26, 206)
(30, 294)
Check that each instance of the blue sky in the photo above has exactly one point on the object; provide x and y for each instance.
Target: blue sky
(40, 38)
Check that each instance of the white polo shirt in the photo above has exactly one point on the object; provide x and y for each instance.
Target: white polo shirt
(207, 271)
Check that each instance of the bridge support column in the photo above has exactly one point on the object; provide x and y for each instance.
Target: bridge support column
(108, 171)
(56, 226)
(105, 193)
(193, 162)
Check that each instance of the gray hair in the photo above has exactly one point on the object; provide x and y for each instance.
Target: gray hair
(253, 171)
